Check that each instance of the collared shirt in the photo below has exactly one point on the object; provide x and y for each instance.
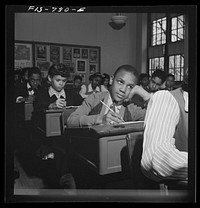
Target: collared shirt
(52, 92)
(83, 90)
(110, 102)
(30, 92)
(161, 159)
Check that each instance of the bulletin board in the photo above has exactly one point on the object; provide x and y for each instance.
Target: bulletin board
(80, 59)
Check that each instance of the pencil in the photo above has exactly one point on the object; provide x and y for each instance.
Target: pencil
(109, 109)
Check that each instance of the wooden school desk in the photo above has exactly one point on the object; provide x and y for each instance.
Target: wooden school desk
(100, 146)
(24, 110)
(52, 121)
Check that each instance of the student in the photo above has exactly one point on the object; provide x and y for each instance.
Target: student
(105, 84)
(165, 144)
(55, 97)
(144, 81)
(75, 90)
(18, 77)
(157, 79)
(169, 82)
(93, 112)
(27, 90)
(25, 74)
(92, 87)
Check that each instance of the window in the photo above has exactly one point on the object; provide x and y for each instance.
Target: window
(156, 63)
(166, 43)
(177, 28)
(159, 31)
(176, 64)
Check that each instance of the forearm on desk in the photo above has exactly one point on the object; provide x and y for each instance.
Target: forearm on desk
(79, 121)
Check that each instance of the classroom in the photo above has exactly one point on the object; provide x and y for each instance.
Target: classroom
(102, 84)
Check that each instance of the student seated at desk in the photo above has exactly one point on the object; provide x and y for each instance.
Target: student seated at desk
(51, 98)
(165, 144)
(92, 87)
(26, 91)
(75, 90)
(157, 79)
(94, 112)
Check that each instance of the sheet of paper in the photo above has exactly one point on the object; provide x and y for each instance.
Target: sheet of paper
(131, 122)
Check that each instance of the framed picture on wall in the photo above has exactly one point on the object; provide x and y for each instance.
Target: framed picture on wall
(67, 53)
(93, 68)
(41, 52)
(23, 55)
(84, 53)
(44, 66)
(54, 54)
(76, 53)
(93, 56)
(81, 66)
(70, 67)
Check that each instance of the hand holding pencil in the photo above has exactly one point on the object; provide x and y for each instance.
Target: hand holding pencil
(111, 117)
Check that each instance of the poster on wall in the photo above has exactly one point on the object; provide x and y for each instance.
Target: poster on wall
(67, 54)
(84, 53)
(55, 54)
(93, 56)
(23, 55)
(76, 53)
(80, 66)
(70, 67)
(44, 67)
(41, 52)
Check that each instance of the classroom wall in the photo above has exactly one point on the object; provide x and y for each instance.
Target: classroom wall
(117, 46)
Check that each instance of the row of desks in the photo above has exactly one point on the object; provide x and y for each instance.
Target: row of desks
(98, 146)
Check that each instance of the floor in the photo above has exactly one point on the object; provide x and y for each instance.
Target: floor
(37, 174)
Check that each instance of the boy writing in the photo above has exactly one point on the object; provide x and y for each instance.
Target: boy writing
(93, 112)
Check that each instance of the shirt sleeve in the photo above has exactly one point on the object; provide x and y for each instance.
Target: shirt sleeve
(83, 91)
(160, 158)
(80, 117)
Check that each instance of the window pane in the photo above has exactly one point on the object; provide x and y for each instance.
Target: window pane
(174, 23)
(162, 62)
(163, 38)
(180, 33)
(156, 63)
(158, 27)
(154, 40)
(153, 63)
(154, 28)
(171, 62)
(177, 74)
(171, 71)
(180, 21)
(182, 61)
(158, 39)
(174, 36)
(177, 61)
(164, 24)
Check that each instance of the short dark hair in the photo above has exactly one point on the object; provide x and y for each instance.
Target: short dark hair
(160, 74)
(143, 75)
(33, 70)
(78, 77)
(170, 75)
(97, 74)
(128, 68)
(58, 69)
